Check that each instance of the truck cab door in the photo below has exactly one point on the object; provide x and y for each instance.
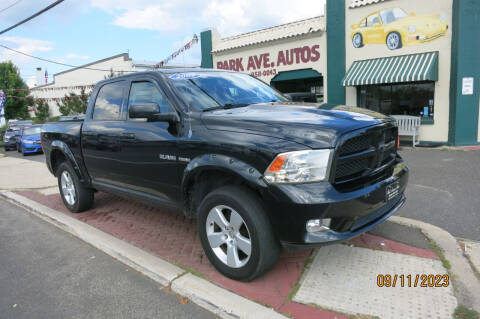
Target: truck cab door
(101, 133)
(149, 148)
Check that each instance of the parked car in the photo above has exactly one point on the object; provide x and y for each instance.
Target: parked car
(30, 140)
(10, 139)
(395, 28)
(258, 172)
(19, 123)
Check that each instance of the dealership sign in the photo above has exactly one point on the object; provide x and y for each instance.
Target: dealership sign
(265, 64)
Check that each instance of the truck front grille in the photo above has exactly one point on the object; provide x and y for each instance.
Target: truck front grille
(365, 157)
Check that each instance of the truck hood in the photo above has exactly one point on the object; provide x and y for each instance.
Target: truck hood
(313, 125)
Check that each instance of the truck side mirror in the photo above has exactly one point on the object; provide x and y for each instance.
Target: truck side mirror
(143, 110)
(152, 112)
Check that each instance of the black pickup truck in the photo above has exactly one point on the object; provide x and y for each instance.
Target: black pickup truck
(258, 172)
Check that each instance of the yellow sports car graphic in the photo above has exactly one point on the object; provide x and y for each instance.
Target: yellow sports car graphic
(396, 28)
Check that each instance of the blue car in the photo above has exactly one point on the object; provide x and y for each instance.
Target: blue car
(30, 141)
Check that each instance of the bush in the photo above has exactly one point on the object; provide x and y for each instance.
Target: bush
(42, 111)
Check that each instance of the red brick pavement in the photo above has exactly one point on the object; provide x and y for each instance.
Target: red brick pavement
(174, 238)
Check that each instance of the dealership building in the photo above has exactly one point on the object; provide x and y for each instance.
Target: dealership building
(398, 57)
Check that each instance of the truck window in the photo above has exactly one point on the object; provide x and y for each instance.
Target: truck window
(147, 92)
(108, 104)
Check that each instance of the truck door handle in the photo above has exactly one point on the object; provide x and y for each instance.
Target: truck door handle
(129, 136)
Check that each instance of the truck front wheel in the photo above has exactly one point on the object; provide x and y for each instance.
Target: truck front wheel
(76, 197)
(235, 232)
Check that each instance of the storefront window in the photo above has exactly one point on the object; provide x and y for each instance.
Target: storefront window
(415, 99)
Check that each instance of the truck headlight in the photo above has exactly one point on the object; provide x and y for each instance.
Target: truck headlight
(412, 29)
(300, 167)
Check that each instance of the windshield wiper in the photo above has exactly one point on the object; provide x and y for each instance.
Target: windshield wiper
(225, 107)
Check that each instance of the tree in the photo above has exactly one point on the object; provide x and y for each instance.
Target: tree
(74, 104)
(16, 104)
(42, 110)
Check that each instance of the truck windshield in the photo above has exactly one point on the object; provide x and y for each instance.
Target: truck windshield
(211, 90)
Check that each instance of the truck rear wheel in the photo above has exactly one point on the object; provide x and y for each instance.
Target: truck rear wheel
(76, 197)
(235, 232)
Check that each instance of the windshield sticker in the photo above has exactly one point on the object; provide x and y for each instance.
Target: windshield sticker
(183, 76)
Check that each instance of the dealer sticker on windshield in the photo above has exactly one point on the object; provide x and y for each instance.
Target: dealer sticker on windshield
(392, 190)
(183, 76)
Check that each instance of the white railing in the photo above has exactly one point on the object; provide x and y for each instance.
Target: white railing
(408, 126)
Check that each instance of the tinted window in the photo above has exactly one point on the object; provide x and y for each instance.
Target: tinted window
(415, 99)
(147, 92)
(108, 105)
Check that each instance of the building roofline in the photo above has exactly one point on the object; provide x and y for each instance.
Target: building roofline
(269, 28)
(126, 57)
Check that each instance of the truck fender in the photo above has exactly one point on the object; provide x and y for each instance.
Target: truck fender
(221, 162)
(65, 150)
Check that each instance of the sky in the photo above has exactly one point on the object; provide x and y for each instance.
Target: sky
(82, 31)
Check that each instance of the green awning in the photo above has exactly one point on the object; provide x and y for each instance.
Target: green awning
(296, 75)
(396, 69)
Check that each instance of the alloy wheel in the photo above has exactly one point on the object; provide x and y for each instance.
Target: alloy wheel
(68, 188)
(228, 236)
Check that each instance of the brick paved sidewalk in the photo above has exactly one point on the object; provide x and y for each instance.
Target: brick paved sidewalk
(174, 238)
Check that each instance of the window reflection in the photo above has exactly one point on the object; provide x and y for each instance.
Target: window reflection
(109, 102)
(416, 99)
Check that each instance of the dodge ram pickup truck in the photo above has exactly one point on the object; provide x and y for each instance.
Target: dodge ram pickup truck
(257, 171)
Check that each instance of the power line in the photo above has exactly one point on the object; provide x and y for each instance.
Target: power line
(59, 63)
(5, 9)
(32, 16)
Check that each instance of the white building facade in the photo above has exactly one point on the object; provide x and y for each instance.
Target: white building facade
(83, 77)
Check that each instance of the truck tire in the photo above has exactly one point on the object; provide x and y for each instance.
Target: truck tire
(236, 234)
(76, 197)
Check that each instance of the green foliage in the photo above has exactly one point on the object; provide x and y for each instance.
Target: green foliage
(463, 312)
(16, 106)
(74, 104)
(42, 111)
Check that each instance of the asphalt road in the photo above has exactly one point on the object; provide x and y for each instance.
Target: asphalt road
(444, 190)
(33, 157)
(47, 273)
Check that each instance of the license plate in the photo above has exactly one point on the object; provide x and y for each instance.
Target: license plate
(392, 190)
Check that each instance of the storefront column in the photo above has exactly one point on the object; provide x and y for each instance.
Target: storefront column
(206, 47)
(464, 108)
(335, 51)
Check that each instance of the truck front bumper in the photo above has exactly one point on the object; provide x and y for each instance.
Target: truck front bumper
(352, 213)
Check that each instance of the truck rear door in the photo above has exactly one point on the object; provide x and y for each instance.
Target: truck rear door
(101, 134)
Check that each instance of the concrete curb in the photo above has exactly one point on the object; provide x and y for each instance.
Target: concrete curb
(464, 276)
(208, 295)
(218, 300)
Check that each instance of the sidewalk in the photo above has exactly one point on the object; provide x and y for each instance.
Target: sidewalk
(22, 173)
(340, 281)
